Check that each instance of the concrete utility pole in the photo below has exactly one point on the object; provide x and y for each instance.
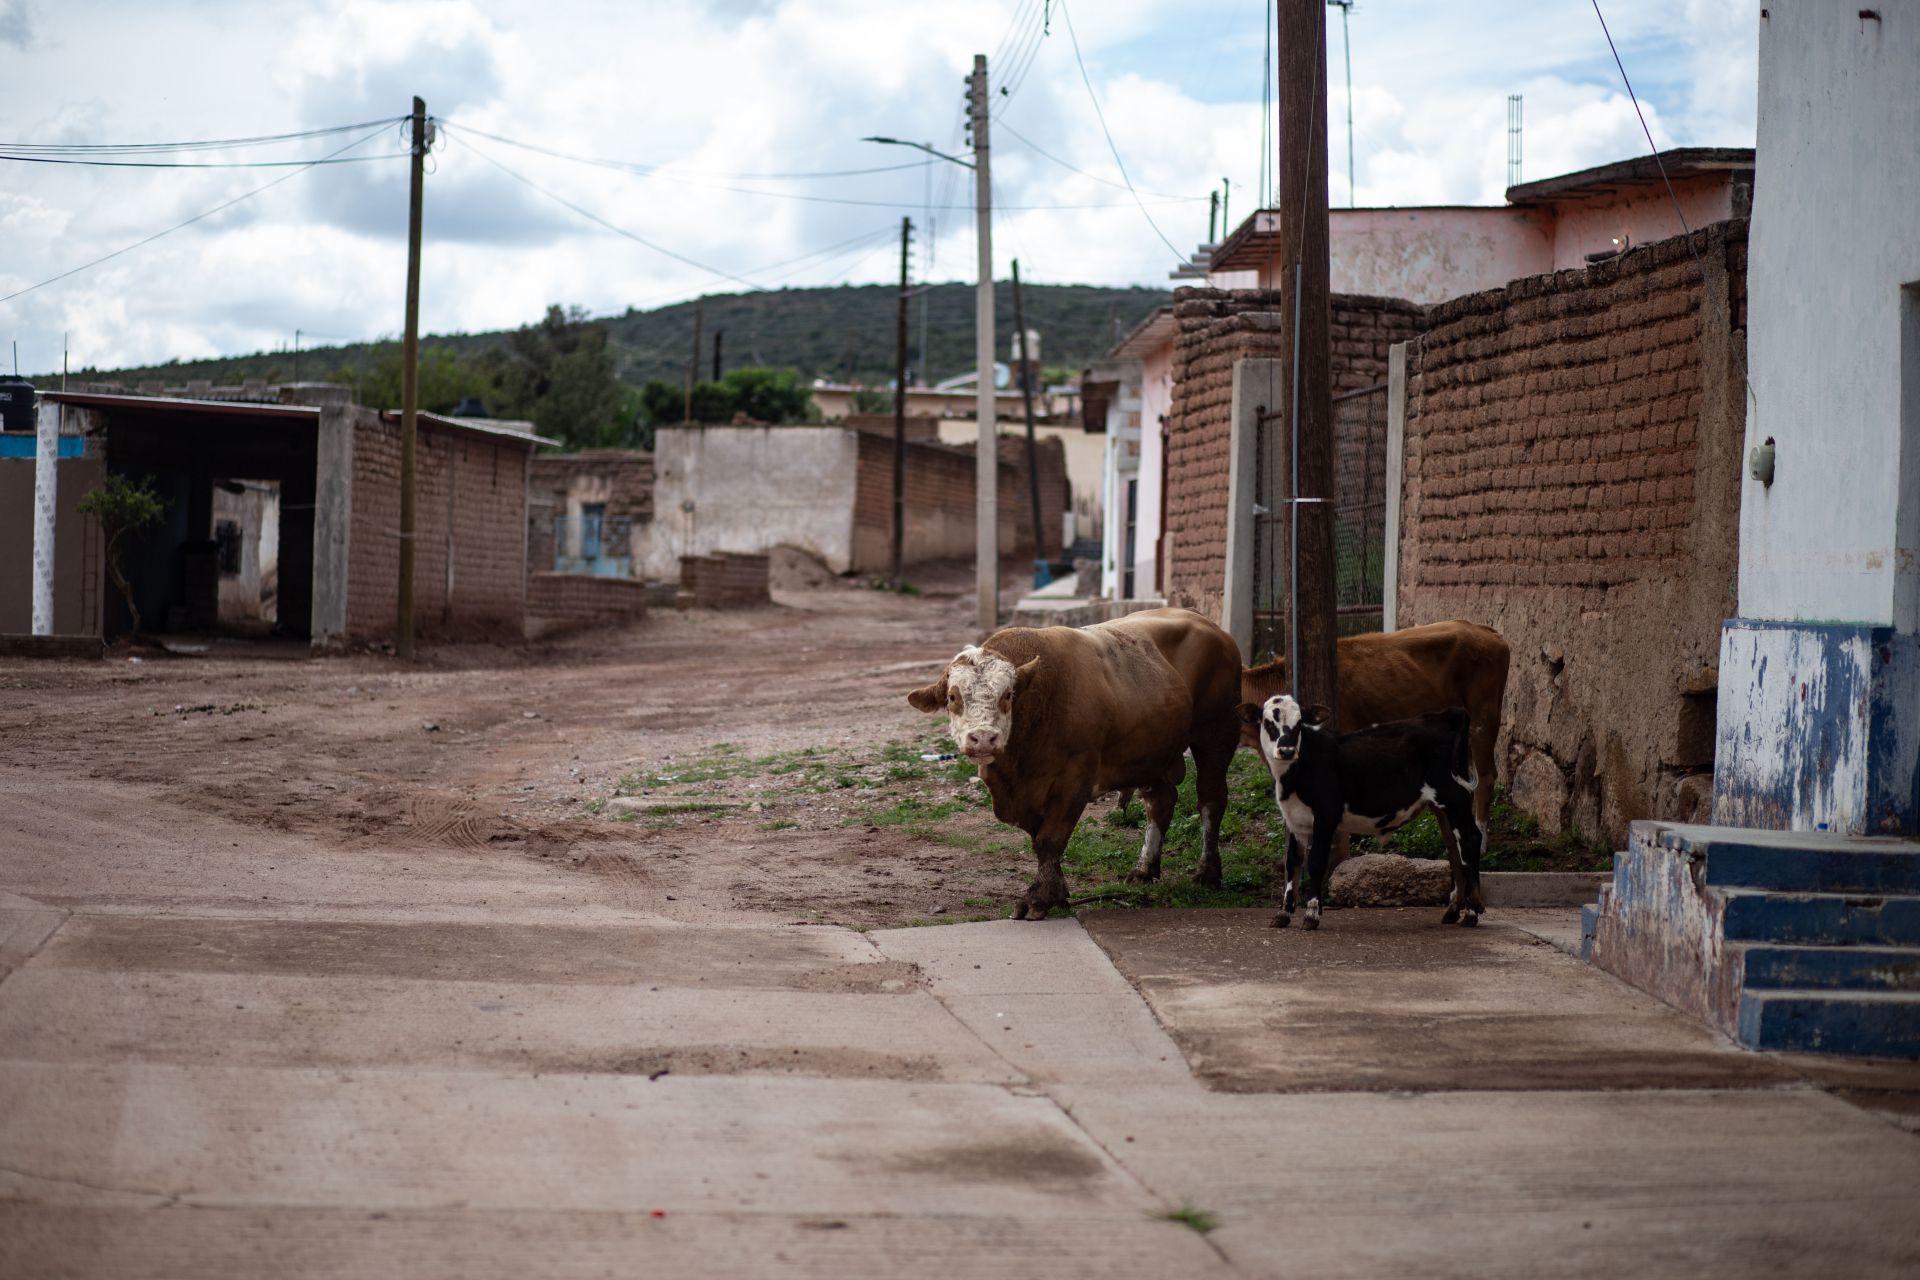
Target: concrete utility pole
(900, 412)
(46, 503)
(1346, 47)
(1302, 85)
(693, 365)
(410, 376)
(1041, 574)
(987, 516)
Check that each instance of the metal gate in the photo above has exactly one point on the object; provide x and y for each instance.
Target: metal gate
(1360, 509)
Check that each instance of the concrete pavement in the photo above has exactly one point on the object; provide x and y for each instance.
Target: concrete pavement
(208, 1069)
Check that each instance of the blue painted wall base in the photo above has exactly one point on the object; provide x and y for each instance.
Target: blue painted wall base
(1818, 728)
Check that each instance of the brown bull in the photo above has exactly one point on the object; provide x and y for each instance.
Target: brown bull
(1056, 716)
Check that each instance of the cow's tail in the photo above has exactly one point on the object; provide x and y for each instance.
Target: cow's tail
(1461, 725)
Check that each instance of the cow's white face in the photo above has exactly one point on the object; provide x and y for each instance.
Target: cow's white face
(977, 691)
(1280, 721)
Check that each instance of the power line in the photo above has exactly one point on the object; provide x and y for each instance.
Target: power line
(1117, 186)
(1634, 98)
(203, 164)
(795, 195)
(1087, 80)
(661, 170)
(590, 216)
(205, 144)
(208, 213)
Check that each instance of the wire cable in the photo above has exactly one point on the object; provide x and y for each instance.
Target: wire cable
(198, 217)
(1102, 116)
(1109, 182)
(203, 164)
(207, 144)
(661, 170)
(1652, 148)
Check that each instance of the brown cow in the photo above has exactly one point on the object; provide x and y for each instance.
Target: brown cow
(1056, 716)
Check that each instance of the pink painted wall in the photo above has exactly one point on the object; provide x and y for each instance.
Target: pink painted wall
(1643, 214)
(1430, 255)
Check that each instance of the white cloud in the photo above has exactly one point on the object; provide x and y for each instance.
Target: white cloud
(747, 87)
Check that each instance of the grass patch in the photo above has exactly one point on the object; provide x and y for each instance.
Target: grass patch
(1102, 852)
(1192, 1219)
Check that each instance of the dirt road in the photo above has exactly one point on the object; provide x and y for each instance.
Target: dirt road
(494, 755)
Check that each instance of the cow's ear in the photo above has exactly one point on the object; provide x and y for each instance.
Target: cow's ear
(932, 698)
(1250, 713)
(1317, 714)
(1023, 674)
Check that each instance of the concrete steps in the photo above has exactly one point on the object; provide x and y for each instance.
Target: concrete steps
(1826, 1021)
(1793, 941)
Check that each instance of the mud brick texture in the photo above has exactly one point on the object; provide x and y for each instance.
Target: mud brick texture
(557, 601)
(723, 580)
(1572, 479)
(619, 479)
(1218, 328)
(470, 540)
(940, 508)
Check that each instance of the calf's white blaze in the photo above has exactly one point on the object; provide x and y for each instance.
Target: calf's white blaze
(980, 701)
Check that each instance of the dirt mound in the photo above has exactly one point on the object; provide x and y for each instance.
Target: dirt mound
(791, 569)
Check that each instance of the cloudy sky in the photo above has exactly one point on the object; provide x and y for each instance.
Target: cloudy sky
(714, 106)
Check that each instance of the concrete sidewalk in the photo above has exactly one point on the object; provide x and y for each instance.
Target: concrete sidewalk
(194, 1089)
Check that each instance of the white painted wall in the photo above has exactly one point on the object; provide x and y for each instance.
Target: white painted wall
(1836, 234)
(1430, 255)
(1156, 401)
(749, 489)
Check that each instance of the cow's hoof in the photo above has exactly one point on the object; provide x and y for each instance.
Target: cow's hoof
(1452, 914)
(1312, 918)
(1281, 919)
(1137, 876)
(1208, 881)
(1469, 918)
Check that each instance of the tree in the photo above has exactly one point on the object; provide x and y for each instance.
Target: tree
(560, 374)
(768, 395)
(446, 378)
(123, 507)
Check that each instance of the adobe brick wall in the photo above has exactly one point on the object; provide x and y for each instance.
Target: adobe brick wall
(724, 580)
(1572, 479)
(473, 483)
(620, 478)
(558, 601)
(940, 507)
(1217, 328)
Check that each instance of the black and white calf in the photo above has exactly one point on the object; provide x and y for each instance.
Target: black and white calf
(1367, 784)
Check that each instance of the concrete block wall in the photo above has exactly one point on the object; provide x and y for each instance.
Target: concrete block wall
(470, 544)
(1571, 478)
(1217, 328)
(940, 508)
(724, 580)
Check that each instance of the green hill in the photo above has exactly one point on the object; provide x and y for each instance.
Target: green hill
(840, 333)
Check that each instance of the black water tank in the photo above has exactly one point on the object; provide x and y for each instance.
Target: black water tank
(16, 405)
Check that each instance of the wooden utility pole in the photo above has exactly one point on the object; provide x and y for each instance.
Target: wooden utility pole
(719, 339)
(1041, 575)
(693, 365)
(900, 413)
(1302, 170)
(410, 376)
(987, 464)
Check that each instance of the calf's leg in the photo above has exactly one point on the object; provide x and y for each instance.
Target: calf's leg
(1457, 895)
(1465, 839)
(1289, 890)
(1319, 850)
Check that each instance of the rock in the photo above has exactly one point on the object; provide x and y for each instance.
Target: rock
(1389, 880)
